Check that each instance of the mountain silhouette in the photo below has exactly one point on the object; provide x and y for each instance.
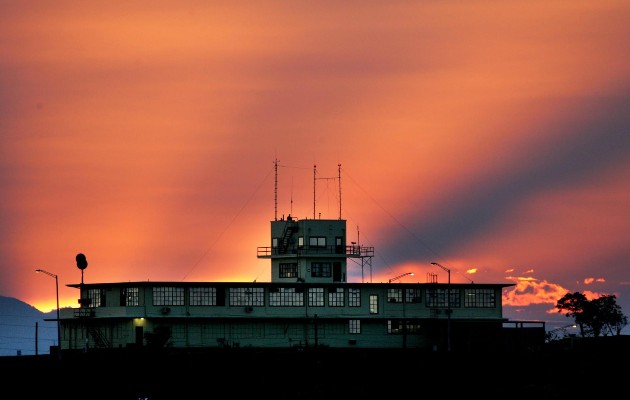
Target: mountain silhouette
(24, 329)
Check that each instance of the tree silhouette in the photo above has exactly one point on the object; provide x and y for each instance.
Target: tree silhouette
(601, 316)
(613, 320)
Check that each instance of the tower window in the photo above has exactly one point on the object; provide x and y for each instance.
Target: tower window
(321, 270)
(317, 241)
(288, 270)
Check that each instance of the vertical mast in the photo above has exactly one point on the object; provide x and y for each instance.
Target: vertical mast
(314, 179)
(275, 191)
(339, 177)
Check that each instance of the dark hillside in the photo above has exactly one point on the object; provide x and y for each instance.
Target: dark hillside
(23, 329)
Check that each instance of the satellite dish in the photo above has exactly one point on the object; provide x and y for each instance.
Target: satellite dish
(81, 261)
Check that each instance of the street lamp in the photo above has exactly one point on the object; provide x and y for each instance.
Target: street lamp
(57, 291)
(448, 306)
(400, 276)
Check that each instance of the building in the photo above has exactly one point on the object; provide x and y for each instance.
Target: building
(308, 303)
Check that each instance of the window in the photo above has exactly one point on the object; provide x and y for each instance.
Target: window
(96, 297)
(286, 297)
(202, 296)
(354, 326)
(316, 297)
(437, 298)
(288, 270)
(373, 304)
(335, 297)
(399, 326)
(317, 241)
(394, 295)
(394, 326)
(321, 270)
(413, 296)
(354, 297)
(247, 296)
(168, 296)
(339, 249)
(274, 243)
(301, 241)
(413, 327)
(479, 298)
(455, 298)
(130, 297)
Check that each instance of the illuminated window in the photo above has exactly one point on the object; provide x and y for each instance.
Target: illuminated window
(288, 270)
(335, 297)
(96, 297)
(316, 297)
(373, 304)
(394, 295)
(354, 297)
(394, 326)
(354, 326)
(130, 297)
(397, 326)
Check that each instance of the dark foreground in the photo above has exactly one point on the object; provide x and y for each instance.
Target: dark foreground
(315, 373)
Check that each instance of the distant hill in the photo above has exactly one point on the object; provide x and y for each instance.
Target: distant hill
(23, 329)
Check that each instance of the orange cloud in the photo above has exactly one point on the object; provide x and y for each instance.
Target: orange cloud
(529, 290)
(588, 281)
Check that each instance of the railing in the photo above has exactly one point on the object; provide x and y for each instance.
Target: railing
(100, 340)
(352, 251)
(83, 312)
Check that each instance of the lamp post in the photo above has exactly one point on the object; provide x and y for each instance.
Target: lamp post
(448, 306)
(400, 276)
(57, 293)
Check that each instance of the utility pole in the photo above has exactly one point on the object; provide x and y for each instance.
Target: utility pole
(448, 306)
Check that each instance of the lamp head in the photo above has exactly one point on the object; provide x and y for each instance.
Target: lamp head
(81, 261)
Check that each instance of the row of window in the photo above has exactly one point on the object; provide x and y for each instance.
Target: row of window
(313, 241)
(393, 326)
(318, 269)
(294, 297)
(396, 326)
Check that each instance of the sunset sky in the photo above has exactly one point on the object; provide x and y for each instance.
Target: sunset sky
(492, 137)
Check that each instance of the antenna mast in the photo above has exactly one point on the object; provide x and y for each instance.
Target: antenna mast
(339, 177)
(314, 179)
(275, 191)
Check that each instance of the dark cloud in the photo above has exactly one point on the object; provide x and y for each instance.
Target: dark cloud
(593, 135)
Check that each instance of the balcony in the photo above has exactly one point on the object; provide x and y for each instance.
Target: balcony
(295, 251)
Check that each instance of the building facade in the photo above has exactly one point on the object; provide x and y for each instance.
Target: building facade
(308, 303)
